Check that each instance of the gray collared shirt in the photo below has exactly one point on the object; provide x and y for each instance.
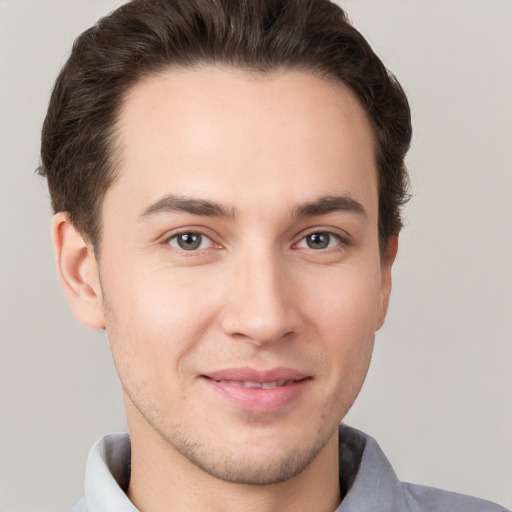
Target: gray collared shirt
(367, 481)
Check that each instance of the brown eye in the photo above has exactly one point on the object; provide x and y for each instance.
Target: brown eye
(190, 241)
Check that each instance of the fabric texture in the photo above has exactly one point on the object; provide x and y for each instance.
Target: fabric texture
(367, 481)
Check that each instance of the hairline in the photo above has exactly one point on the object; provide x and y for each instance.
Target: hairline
(115, 157)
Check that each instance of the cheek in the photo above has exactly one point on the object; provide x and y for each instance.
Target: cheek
(346, 301)
(344, 314)
(154, 320)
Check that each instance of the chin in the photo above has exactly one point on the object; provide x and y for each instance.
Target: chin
(253, 469)
(256, 462)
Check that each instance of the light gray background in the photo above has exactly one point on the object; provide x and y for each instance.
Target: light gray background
(439, 394)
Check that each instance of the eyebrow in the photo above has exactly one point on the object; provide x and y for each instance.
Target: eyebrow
(173, 203)
(330, 204)
(182, 204)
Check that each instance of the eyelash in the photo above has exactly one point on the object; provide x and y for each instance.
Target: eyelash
(203, 237)
(341, 242)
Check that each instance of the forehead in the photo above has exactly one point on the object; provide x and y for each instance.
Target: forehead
(229, 135)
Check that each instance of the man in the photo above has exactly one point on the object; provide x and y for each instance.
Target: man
(227, 179)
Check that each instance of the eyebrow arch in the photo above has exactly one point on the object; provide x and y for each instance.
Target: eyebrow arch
(330, 204)
(175, 203)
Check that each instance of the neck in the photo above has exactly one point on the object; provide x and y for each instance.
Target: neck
(162, 479)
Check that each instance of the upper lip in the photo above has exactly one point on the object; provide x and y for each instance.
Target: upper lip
(254, 375)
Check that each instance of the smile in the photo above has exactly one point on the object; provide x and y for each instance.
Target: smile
(257, 385)
(258, 391)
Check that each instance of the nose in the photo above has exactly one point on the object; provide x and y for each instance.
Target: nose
(259, 300)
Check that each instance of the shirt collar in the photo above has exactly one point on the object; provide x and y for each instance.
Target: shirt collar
(375, 486)
(107, 475)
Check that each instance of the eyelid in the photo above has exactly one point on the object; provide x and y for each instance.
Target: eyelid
(204, 240)
(342, 236)
(199, 230)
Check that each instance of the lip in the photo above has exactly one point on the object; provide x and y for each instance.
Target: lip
(258, 390)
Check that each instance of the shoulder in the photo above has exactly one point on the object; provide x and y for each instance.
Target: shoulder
(370, 484)
(420, 498)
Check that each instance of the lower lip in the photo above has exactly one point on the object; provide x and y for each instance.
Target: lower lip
(257, 399)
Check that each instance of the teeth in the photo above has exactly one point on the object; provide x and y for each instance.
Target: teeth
(252, 384)
(257, 385)
(276, 384)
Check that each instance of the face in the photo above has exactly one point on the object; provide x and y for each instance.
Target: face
(240, 267)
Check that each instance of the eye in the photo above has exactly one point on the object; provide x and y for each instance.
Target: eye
(319, 240)
(190, 241)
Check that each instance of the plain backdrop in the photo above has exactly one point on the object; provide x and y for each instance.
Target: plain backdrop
(439, 394)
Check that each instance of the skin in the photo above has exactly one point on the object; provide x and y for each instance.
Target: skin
(256, 293)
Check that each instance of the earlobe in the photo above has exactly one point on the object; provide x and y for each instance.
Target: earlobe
(78, 272)
(386, 266)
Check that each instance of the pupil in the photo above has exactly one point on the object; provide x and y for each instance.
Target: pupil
(189, 241)
(318, 240)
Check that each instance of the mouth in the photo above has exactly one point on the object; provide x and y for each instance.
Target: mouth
(257, 385)
(258, 391)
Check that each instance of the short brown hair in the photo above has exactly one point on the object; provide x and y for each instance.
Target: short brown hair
(145, 37)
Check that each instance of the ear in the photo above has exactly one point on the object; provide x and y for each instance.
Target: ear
(385, 283)
(78, 272)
